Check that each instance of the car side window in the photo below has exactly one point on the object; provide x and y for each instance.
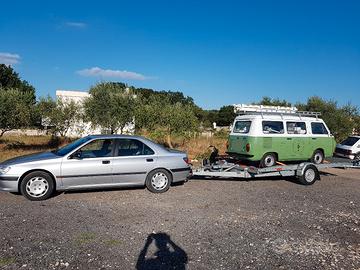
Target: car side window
(131, 147)
(273, 127)
(296, 127)
(318, 128)
(97, 148)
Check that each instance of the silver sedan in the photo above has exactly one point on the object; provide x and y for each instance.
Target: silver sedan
(97, 161)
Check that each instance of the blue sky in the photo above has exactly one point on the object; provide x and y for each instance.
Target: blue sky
(218, 52)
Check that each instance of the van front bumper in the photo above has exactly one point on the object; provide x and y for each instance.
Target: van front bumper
(9, 183)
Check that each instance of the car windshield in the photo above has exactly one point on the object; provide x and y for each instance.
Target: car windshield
(350, 141)
(70, 147)
(242, 127)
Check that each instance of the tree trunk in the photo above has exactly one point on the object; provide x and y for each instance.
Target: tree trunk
(3, 131)
(168, 140)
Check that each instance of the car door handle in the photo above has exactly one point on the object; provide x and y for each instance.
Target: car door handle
(106, 162)
(149, 160)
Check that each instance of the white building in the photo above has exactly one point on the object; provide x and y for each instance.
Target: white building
(81, 128)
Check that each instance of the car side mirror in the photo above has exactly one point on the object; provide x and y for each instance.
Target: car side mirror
(76, 155)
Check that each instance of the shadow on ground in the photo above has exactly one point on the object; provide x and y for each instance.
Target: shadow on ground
(168, 255)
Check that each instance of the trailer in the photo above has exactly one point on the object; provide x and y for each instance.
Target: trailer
(306, 172)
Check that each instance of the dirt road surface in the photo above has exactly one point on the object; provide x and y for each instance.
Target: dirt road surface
(204, 224)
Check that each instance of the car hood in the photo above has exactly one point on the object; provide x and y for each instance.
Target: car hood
(346, 147)
(30, 158)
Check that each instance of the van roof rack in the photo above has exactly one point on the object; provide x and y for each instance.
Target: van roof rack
(242, 109)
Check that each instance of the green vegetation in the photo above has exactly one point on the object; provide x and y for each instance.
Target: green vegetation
(111, 106)
(15, 110)
(6, 261)
(57, 114)
(163, 115)
(85, 238)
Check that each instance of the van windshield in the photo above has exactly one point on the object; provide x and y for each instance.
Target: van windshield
(350, 141)
(242, 127)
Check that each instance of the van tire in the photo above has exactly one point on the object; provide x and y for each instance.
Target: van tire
(268, 160)
(318, 157)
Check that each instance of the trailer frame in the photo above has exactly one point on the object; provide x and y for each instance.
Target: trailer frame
(306, 172)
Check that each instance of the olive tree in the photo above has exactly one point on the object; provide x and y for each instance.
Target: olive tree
(160, 114)
(341, 120)
(59, 114)
(110, 106)
(15, 110)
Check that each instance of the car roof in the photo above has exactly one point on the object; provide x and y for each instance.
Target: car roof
(115, 136)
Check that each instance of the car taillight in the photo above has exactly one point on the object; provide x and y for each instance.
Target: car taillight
(247, 147)
(186, 160)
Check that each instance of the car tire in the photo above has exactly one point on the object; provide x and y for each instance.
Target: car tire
(158, 181)
(268, 160)
(357, 157)
(37, 186)
(318, 157)
(310, 175)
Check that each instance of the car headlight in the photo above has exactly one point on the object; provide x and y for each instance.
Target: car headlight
(4, 169)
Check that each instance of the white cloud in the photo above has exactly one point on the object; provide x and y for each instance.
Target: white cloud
(79, 25)
(9, 58)
(122, 74)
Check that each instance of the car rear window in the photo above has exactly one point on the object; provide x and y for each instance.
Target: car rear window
(350, 141)
(318, 128)
(273, 127)
(131, 147)
(242, 127)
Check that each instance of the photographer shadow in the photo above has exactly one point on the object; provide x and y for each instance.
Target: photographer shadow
(167, 256)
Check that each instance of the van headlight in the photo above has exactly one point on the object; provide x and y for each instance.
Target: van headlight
(4, 169)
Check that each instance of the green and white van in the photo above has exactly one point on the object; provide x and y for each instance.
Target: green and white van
(269, 135)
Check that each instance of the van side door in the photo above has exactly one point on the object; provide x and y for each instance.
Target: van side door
(297, 132)
(321, 139)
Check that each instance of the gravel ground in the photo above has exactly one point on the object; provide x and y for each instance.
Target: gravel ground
(204, 224)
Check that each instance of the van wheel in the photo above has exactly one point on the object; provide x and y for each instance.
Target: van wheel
(37, 186)
(310, 175)
(158, 181)
(318, 157)
(268, 160)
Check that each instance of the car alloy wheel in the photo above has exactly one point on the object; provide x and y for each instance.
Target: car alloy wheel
(159, 181)
(37, 187)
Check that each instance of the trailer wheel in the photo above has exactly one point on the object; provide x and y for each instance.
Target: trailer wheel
(309, 175)
(268, 160)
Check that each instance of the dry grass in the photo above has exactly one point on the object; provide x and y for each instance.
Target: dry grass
(198, 148)
(13, 146)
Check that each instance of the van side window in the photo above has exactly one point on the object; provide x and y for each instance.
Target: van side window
(296, 127)
(273, 127)
(318, 128)
(242, 127)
